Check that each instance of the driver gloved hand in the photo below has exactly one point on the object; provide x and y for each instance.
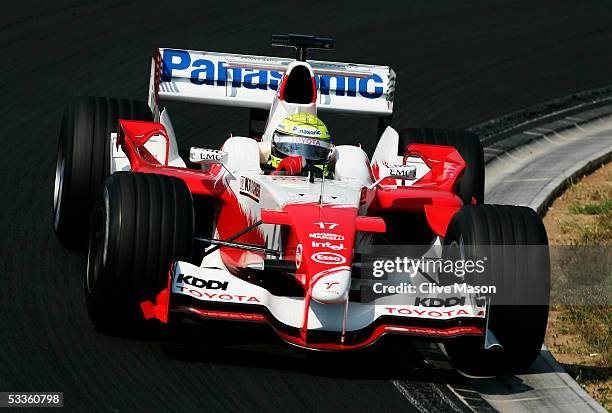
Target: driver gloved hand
(292, 165)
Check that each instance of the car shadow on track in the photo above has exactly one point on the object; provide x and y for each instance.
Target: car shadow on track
(389, 359)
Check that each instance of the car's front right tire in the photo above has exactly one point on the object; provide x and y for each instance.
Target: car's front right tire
(141, 223)
(513, 243)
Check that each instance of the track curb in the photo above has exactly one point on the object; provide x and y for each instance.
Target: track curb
(557, 186)
(546, 364)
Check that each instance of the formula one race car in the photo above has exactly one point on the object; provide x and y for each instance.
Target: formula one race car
(317, 256)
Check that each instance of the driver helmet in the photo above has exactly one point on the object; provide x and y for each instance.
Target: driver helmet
(301, 134)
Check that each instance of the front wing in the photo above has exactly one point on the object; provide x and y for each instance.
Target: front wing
(214, 293)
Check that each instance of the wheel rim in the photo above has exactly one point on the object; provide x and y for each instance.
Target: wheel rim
(95, 253)
(60, 168)
(456, 251)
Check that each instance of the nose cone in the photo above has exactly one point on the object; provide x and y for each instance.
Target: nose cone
(332, 286)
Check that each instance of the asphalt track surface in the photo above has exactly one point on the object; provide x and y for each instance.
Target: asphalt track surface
(458, 63)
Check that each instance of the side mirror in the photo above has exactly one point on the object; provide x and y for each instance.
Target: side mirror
(212, 156)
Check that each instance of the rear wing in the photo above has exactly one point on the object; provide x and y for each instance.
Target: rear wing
(252, 81)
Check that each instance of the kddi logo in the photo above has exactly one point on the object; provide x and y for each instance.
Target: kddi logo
(327, 244)
(199, 283)
(439, 302)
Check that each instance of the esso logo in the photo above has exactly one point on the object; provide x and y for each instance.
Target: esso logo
(328, 258)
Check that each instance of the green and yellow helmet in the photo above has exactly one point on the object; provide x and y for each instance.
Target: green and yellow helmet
(301, 134)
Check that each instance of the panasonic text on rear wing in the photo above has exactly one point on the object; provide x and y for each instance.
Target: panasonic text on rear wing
(252, 81)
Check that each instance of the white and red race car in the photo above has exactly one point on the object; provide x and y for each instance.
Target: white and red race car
(223, 239)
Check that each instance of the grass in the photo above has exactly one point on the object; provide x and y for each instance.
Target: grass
(601, 232)
(601, 208)
(594, 325)
(580, 336)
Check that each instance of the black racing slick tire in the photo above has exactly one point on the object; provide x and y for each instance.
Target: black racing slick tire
(83, 161)
(514, 241)
(471, 183)
(140, 224)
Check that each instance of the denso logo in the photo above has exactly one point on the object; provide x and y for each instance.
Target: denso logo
(214, 73)
(199, 283)
(324, 257)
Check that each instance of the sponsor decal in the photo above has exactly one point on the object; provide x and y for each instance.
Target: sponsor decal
(326, 225)
(298, 255)
(328, 245)
(326, 235)
(427, 313)
(215, 296)
(330, 284)
(402, 171)
(301, 140)
(312, 132)
(205, 72)
(200, 283)
(325, 257)
(210, 155)
(309, 141)
(250, 188)
(225, 314)
(439, 302)
(200, 155)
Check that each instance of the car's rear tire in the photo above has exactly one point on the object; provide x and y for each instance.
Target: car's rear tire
(471, 183)
(83, 161)
(140, 224)
(515, 243)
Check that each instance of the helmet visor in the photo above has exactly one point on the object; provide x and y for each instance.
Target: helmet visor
(311, 149)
